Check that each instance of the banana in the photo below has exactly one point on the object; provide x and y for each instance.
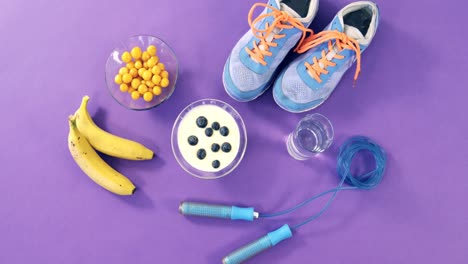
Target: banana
(106, 142)
(95, 167)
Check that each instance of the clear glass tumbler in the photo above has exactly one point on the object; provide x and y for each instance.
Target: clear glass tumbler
(313, 134)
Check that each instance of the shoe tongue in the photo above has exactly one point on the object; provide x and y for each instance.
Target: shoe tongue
(285, 8)
(353, 33)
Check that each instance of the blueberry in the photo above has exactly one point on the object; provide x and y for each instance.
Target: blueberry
(226, 147)
(202, 122)
(208, 132)
(216, 164)
(201, 154)
(215, 126)
(215, 147)
(193, 140)
(224, 131)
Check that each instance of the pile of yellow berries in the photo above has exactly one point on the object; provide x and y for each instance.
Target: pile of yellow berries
(144, 76)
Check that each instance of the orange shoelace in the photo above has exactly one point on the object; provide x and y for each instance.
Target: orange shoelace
(282, 20)
(342, 41)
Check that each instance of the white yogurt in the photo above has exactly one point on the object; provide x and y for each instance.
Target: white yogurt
(188, 127)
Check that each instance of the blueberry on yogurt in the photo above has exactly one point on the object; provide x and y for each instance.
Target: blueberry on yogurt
(201, 154)
(216, 164)
(215, 126)
(193, 140)
(224, 131)
(208, 132)
(215, 147)
(226, 147)
(202, 122)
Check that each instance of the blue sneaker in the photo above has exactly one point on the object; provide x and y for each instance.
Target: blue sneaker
(251, 67)
(310, 79)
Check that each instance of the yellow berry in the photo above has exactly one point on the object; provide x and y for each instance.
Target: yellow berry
(156, 70)
(127, 78)
(118, 79)
(156, 58)
(135, 95)
(130, 90)
(156, 79)
(145, 56)
(164, 82)
(135, 83)
(145, 64)
(150, 84)
(151, 50)
(157, 90)
(130, 65)
(141, 71)
(133, 72)
(123, 87)
(152, 62)
(161, 66)
(123, 70)
(148, 96)
(147, 75)
(138, 64)
(165, 74)
(136, 53)
(142, 88)
(126, 57)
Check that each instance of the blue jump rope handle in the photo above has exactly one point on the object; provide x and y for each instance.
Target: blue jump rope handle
(216, 211)
(252, 249)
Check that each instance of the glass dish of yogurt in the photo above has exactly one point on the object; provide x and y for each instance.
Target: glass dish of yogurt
(209, 139)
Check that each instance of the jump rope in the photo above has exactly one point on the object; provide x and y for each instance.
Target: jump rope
(348, 151)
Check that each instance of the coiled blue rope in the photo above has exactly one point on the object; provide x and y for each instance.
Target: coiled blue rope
(366, 181)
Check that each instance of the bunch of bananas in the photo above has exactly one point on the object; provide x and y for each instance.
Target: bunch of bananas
(85, 136)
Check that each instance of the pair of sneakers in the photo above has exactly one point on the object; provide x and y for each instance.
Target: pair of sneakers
(308, 81)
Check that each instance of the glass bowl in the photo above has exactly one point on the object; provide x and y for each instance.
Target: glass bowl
(114, 63)
(203, 174)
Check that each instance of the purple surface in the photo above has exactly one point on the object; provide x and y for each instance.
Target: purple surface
(411, 98)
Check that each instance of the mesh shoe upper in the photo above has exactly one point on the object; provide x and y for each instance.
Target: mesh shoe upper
(244, 76)
(247, 78)
(297, 90)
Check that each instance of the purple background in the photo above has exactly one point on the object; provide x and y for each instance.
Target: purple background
(411, 98)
